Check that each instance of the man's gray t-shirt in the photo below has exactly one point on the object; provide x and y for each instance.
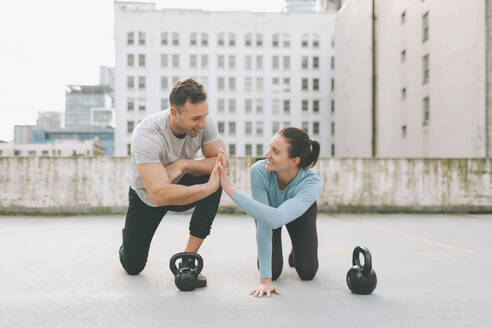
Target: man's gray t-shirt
(154, 142)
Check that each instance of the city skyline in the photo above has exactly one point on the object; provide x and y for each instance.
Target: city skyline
(47, 51)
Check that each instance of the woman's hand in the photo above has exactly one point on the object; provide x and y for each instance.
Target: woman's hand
(266, 287)
(214, 180)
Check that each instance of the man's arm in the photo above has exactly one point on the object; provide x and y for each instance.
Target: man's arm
(206, 165)
(163, 192)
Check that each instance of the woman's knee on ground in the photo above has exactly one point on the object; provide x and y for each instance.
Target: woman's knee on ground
(306, 271)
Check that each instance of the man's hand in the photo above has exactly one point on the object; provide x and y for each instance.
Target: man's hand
(225, 161)
(214, 181)
(265, 287)
(176, 168)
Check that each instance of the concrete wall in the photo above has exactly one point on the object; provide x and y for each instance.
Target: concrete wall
(99, 185)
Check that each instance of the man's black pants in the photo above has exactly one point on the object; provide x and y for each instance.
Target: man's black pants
(142, 220)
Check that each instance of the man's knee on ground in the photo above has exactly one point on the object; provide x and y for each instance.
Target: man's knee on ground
(132, 266)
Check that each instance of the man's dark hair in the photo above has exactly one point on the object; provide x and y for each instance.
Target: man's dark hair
(188, 89)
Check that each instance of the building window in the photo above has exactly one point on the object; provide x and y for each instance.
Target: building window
(164, 83)
(141, 38)
(259, 84)
(220, 61)
(425, 64)
(193, 61)
(129, 126)
(221, 83)
(332, 84)
(332, 128)
(248, 84)
(286, 40)
(175, 79)
(316, 84)
(247, 150)
(164, 39)
(130, 105)
(221, 127)
(332, 150)
(248, 106)
(286, 62)
(304, 62)
(193, 39)
(164, 103)
(31, 153)
(130, 38)
(248, 128)
(403, 131)
(316, 62)
(275, 106)
(286, 84)
(403, 17)
(204, 61)
(43, 153)
(259, 128)
(275, 84)
(17, 152)
(164, 60)
(275, 41)
(305, 106)
(304, 84)
(315, 41)
(232, 62)
(259, 150)
(232, 106)
(247, 40)
(259, 40)
(128, 149)
(232, 150)
(220, 39)
(403, 55)
(130, 82)
(305, 126)
(316, 106)
(232, 40)
(221, 105)
(333, 106)
(259, 106)
(248, 62)
(141, 82)
(316, 128)
(286, 106)
(129, 60)
(332, 62)
(259, 62)
(175, 60)
(141, 104)
(286, 123)
(232, 83)
(204, 40)
(232, 128)
(426, 105)
(175, 39)
(275, 62)
(425, 27)
(275, 127)
(304, 41)
(141, 60)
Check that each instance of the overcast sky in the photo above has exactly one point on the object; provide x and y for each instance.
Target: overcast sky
(48, 44)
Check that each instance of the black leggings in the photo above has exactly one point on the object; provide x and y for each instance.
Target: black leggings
(142, 221)
(304, 237)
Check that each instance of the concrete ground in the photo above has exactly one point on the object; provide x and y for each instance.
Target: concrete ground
(433, 271)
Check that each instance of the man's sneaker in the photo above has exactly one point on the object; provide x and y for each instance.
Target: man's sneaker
(201, 280)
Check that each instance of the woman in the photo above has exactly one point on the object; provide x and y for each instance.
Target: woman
(284, 192)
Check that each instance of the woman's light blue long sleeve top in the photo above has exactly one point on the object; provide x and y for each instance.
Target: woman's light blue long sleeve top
(272, 207)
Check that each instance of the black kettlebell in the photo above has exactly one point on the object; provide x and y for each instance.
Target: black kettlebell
(361, 280)
(185, 277)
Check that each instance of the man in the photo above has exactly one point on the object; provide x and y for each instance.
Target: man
(165, 177)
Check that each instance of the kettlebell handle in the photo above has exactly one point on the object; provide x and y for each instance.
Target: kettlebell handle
(367, 259)
(175, 257)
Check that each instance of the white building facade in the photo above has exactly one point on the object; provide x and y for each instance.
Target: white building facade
(58, 148)
(262, 71)
(430, 90)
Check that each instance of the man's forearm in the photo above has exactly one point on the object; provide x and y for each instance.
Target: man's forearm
(200, 166)
(174, 194)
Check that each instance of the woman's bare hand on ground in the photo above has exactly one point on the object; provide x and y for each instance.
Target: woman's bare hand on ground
(264, 288)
